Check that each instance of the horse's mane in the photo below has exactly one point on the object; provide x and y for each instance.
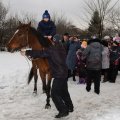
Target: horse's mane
(43, 41)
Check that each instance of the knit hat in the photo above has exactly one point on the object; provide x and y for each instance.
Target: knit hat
(46, 14)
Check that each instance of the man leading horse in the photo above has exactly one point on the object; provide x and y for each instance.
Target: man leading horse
(56, 55)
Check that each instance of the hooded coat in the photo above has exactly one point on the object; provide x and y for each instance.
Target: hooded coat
(105, 58)
(93, 55)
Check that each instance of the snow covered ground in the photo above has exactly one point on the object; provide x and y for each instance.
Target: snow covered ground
(18, 103)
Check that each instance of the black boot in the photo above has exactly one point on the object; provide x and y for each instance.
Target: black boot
(71, 109)
(69, 73)
(105, 77)
(74, 79)
(97, 92)
(74, 73)
(62, 114)
(112, 81)
(88, 89)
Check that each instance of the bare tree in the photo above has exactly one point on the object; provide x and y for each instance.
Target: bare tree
(9, 25)
(26, 18)
(114, 19)
(63, 25)
(104, 7)
(3, 13)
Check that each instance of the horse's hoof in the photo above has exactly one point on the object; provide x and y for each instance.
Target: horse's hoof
(35, 93)
(44, 91)
(47, 106)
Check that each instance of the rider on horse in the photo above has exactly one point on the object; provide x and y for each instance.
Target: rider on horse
(47, 27)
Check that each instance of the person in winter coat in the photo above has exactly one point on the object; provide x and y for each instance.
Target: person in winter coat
(66, 41)
(71, 57)
(105, 60)
(56, 55)
(114, 61)
(81, 66)
(47, 27)
(93, 56)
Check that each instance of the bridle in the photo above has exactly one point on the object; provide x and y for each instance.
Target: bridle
(27, 41)
(27, 46)
(27, 57)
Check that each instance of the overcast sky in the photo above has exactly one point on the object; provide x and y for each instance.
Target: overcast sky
(72, 9)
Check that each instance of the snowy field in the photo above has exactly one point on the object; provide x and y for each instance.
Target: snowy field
(18, 103)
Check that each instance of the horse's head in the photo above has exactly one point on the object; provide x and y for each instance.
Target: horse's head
(20, 38)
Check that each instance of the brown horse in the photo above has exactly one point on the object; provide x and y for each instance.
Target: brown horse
(28, 37)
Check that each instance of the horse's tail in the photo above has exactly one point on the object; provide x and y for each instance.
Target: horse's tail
(31, 74)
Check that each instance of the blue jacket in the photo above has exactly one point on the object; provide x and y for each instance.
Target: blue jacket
(71, 57)
(47, 28)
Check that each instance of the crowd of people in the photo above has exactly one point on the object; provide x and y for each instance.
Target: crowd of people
(69, 56)
(92, 58)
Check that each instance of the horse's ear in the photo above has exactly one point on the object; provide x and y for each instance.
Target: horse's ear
(29, 23)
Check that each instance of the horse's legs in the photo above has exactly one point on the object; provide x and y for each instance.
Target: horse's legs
(46, 88)
(43, 78)
(44, 85)
(48, 91)
(35, 81)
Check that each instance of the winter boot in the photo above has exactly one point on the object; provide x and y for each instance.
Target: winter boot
(88, 89)
(74, 73)
(62, 114)
(97, 92)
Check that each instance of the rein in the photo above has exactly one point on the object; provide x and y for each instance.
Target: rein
(27, 61)
(27, 40)
(26, 57)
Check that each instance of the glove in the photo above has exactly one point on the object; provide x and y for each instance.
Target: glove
(23, 52)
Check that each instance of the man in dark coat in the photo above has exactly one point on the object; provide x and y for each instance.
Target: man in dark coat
(47, 27)
(56, 55)
(93, 56)
(66, 41)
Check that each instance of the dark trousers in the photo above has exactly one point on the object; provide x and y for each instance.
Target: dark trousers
(95, 76)
(69, 73)
(60, 95)
(113, 72)
(105, 74)
(72, 73)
